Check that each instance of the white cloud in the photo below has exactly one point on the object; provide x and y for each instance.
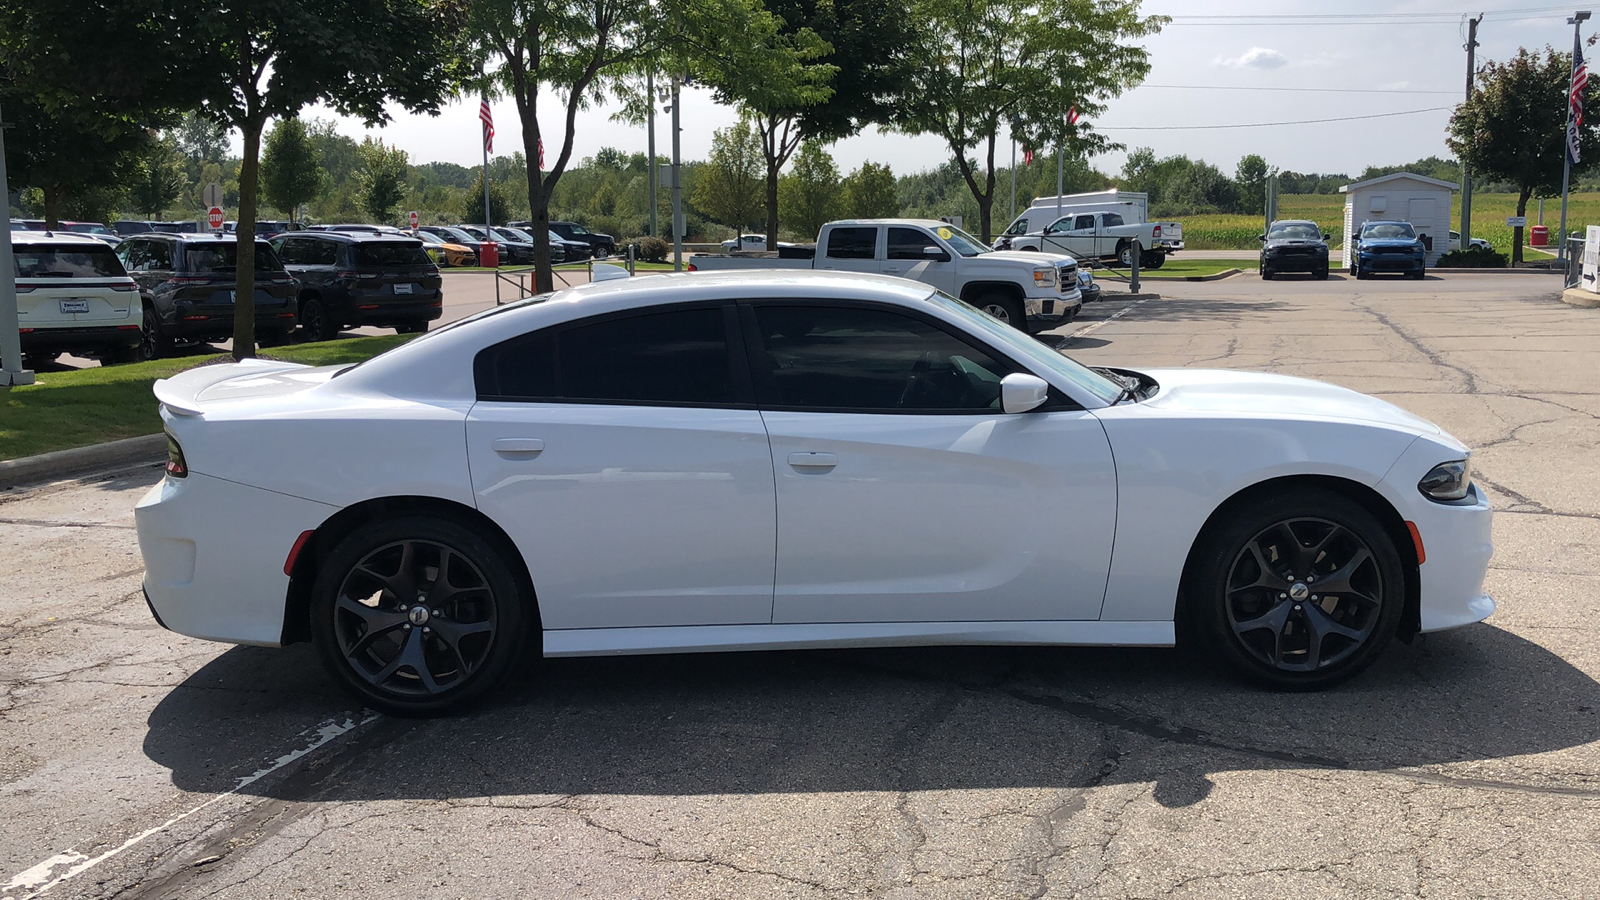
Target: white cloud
(1255, 58)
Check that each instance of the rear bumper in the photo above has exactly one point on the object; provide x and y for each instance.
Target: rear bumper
(212, 573)
(218, 326)
(387, 311)
(51, 340)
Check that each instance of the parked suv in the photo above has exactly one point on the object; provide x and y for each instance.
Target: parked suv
(1388, 247)
(186, 285)
(353, 278)
(73, 296)
(512, 252)
(1294, 245)
(600, 245)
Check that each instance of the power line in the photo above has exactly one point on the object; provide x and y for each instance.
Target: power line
(1313, 17)
(1218, 87)
(1408, 112)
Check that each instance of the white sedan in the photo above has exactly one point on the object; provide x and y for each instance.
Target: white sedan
(746, 242)
(743, 461)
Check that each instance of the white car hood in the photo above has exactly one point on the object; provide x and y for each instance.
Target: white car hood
(1031, 257)
(1225, 391)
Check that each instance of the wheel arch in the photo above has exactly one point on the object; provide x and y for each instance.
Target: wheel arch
(297, 608)
(973, 290)
(1373, 502)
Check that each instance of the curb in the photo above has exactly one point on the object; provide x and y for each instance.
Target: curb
(1580, 297)
(1527, 270)
(1215, 276)
(46, 467)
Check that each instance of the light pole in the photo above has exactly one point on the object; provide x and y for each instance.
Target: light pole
(650, 131)
(677, 179)
(1577, 20)
(11, 371)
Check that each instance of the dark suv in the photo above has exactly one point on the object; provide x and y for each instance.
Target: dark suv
(352, 278)
(1294, 245)
(600, 245)
(186, 284)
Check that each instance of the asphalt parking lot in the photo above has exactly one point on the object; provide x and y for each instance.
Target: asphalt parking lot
(137, 763)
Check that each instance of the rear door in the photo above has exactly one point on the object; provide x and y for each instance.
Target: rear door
(625, 458)
(851, 248)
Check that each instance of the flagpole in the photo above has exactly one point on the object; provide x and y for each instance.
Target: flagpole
(1572, 138)
(487, 222)
(1013, 178)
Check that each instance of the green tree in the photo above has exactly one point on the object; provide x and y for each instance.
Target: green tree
(200, 140)
(1513, 128)
(290, 175)
(985, 64)
(809, 195)
(869, 193)
(728, 186)
(1250, 177)
(160, 180)
(469, 208)
(382, 180)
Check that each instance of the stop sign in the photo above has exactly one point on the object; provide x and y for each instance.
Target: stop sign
(413, 220)
(214, 218)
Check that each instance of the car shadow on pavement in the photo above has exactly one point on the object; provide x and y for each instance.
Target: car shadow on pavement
(884, 720)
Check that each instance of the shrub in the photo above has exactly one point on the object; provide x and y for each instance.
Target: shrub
(650, 249)
(1475, 258)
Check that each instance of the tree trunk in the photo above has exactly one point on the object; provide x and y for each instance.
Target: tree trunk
(773, 165)
(52, 208)
(244, 285)
(1516, 233)
(544, 277)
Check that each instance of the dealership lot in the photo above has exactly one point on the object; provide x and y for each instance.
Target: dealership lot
(1467, 763)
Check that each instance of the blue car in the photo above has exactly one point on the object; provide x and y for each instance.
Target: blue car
(1388, 247)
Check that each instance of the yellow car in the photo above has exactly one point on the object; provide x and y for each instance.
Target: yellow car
(447, 253)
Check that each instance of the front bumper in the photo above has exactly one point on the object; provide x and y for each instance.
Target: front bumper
(212, 573)
(1295, 262)
(64, 340)
(1388, 262)
(1048, 312)
(1455, 539)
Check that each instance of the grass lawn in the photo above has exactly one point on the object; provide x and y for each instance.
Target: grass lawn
(1178, 267)
(105, 403)
(617, 261)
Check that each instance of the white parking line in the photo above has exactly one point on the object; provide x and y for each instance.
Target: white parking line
(38, 878)
(1108, 319)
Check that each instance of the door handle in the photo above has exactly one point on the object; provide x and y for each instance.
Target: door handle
(811, 460)
(518, 446)
(891, 271)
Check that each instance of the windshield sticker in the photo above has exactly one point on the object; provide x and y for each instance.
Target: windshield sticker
(944, 233)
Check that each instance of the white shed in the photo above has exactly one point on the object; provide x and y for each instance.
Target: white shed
(1401, 197)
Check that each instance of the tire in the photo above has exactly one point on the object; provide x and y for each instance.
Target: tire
(316, 322)
(1419, 274)
(1125, 254)
(1006, 309)
(412, 328)
(36, 360)
(1266, 274)
(1152, 259)
(1322, 274)
(1356, 271)
(120, 355)
(1258, 617)
(154, 343)
(411, 658)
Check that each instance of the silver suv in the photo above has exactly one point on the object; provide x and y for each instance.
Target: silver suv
(73, 296)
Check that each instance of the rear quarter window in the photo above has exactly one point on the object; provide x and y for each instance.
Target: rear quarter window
(391, 254)
(55, 261)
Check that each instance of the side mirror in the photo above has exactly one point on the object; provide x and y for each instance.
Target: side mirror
(936, 254)
(1355, 238)
(1021, 392)
(1326, 236)
(1261, 237)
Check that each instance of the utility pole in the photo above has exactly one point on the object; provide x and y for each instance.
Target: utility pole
(1466, 174)
(1013, 177)
(1577, 20)
(11, 371)
(677, 180)
(650, 129)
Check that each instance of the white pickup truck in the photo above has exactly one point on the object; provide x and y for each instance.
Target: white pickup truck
(1099, 235)
(1032, 291)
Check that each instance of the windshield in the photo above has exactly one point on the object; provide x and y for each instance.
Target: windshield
(959, 241)
(1020, 226)
(386, 254)
(476, 232)
(1027, 349)
(428, 237)
(506, 234)
(517, 234)
(47, 261)
(456, 234)
(221, 257)
(1382, 230)
(89, 228)
(1298, 231)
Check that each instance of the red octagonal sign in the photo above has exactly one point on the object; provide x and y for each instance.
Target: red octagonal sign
(214, 217)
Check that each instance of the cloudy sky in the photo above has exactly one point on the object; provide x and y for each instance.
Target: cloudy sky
(1220, 62)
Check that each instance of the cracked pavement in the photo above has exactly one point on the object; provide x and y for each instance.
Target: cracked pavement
(1464, 765)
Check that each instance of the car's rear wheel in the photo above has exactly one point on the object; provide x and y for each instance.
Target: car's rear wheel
(1298, 591)
(1006, 309)
(411, 328)
(1152, 259)
(316, 322)
(417, 616)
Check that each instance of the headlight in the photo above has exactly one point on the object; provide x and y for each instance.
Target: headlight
(1044, 277)
(1447, 481)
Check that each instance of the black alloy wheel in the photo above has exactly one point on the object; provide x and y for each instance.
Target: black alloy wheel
(153, 340)
(417, 616)
(316, 322)
(1299, 592)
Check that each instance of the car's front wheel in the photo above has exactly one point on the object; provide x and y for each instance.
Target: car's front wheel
(417, 616)
(1006, 309)
(154, 342)
(1298, 591)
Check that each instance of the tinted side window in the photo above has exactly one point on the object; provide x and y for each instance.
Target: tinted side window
(870, 360)
(292, 252)
(677, 357)
(1113, 220)
(321, 253)
(908, 243)
(1018, 227)
(135, 255)
(853, 243)
(1084, 222)
(160, 257)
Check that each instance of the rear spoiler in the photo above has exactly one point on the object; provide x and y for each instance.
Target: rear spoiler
(178, 393)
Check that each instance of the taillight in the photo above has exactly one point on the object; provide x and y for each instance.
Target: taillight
(355, 274)
(25, 288)
(1156, 232)
(692, 268)
(177, 467)
(130, 286)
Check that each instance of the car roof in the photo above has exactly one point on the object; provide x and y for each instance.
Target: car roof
(64, 238)
(350, 237)
(1292, 222)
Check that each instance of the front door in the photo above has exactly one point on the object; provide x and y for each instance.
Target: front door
(624, 458)
(905, 494)
(907, 257)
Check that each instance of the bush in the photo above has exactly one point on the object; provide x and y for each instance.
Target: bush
(1475, 258)
(650, 249)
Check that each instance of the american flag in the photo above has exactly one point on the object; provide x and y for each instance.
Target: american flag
(485, 116)
(1027, 154)
(1072, 116)
(1580, 80)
